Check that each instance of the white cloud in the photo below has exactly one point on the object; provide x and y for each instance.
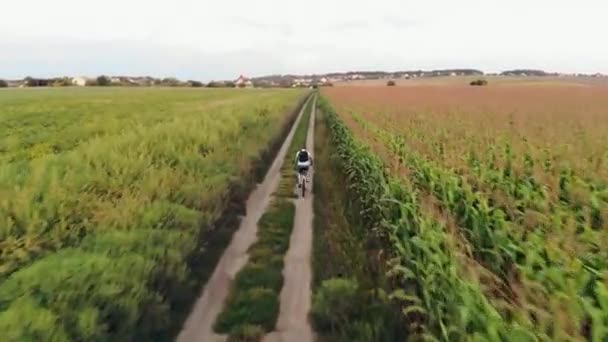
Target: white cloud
(219, 39)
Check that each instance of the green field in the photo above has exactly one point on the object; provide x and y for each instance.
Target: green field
(106, 193)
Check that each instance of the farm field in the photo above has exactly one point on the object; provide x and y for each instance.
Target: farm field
(499, 209)
(106, 194)
(494, 81)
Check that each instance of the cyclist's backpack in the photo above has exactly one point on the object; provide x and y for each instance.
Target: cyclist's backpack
(303, 156)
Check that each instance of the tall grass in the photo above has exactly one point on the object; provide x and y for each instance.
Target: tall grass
(96, 238)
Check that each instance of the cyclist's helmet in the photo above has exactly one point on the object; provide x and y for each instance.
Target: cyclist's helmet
(303, 155)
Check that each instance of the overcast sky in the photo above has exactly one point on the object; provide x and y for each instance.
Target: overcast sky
(202, 39)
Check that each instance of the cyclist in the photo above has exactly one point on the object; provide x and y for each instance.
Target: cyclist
(303, 162)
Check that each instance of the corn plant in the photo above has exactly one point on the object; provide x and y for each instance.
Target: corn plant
(437, 301)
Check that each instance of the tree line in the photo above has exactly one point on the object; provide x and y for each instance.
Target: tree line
(106, 81)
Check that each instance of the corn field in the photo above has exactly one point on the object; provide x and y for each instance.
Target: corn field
(493, 221)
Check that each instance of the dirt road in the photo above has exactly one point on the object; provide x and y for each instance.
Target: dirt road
(199, 325)
(293, 324)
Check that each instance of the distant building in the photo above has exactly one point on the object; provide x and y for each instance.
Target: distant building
(243, 82)
(125, 80)
(15, 83)
(79, 81)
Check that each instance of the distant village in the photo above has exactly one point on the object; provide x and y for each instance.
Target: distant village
(284, 81)
(146, 81)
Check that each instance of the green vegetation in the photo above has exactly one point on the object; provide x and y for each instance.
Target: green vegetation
(246, 333)
(479, 82)
(339, 247)
(104, 81)
(350, 301)
(336, 305)
(108, 196)
(253, 303)
(254, 299)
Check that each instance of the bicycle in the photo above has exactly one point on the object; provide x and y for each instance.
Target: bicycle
(302, 180)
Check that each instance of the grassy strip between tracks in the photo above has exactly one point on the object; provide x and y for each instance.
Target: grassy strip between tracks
(253, 305)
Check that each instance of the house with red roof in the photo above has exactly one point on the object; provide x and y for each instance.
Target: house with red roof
(243, 82)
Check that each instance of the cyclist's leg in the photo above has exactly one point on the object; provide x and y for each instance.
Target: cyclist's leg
(306, 168)
(299, 168)
(298, 174)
